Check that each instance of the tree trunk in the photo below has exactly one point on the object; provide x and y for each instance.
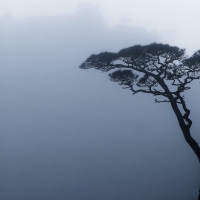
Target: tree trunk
(199, 194)
(185, 130)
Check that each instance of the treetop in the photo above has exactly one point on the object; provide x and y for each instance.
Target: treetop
(147, 67)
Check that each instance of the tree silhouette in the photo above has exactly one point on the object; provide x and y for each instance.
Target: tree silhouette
(157, 69)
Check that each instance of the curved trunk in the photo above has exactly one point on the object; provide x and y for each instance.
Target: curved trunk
(181, 118)
(186, 130)
(199, 195)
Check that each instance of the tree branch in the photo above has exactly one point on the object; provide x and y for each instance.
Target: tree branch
(187, 111)
(156, 101)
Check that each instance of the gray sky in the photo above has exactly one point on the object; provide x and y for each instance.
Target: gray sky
(72, 134)
(176, 21)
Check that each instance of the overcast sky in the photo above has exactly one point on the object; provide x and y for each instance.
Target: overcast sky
(68, 133)
(177, 21)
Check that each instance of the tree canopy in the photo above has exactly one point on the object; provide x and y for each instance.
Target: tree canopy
(141, 67)
(157, 69)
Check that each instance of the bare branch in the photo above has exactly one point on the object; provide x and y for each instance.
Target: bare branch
(187, 111)
(156, 101)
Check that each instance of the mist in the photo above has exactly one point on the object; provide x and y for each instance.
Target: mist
(68, 133)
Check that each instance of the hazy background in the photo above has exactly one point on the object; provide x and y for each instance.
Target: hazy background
(67, 133)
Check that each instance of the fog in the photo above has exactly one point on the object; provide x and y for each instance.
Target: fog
(68, 133)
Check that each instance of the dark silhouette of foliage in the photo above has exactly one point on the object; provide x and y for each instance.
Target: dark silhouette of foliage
(158, 69)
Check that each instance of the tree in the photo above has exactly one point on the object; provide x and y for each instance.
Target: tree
(157, 69)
